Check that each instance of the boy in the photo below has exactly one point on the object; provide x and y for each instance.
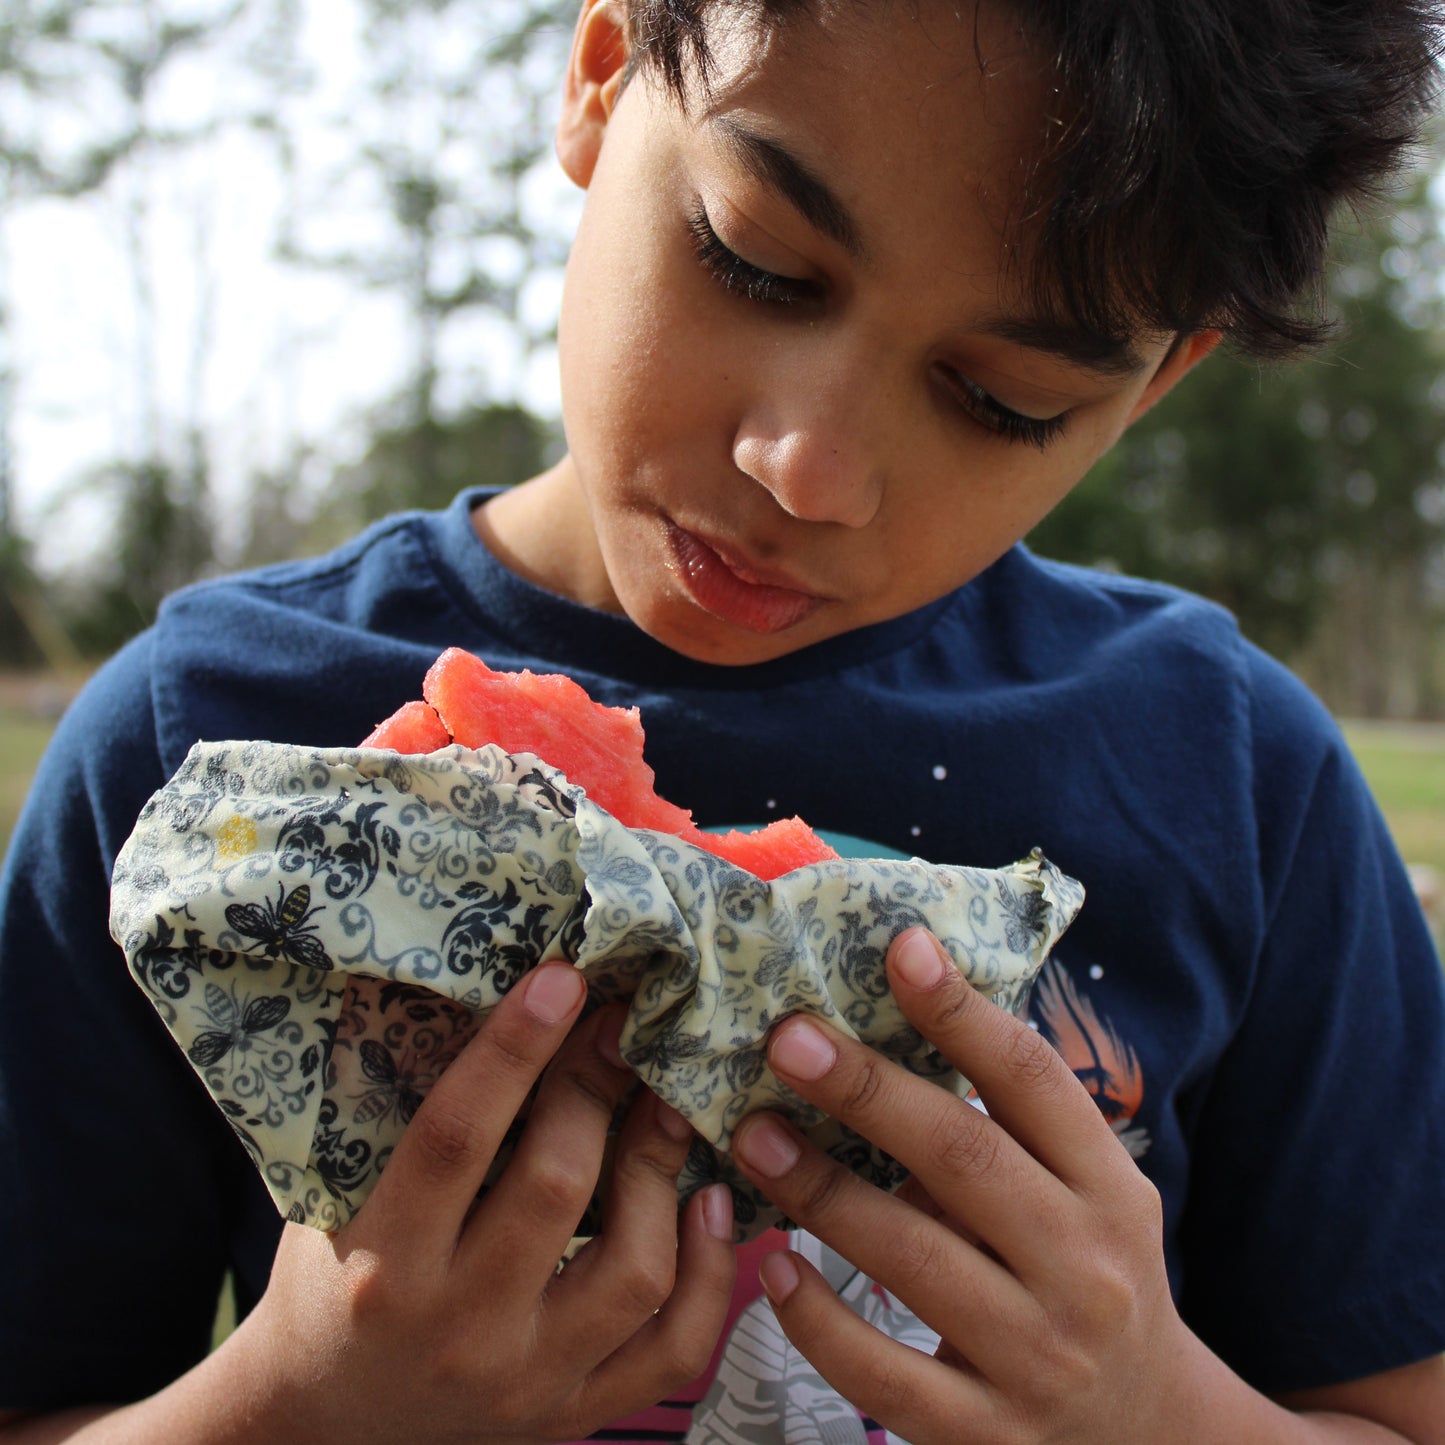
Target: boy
(859, 293)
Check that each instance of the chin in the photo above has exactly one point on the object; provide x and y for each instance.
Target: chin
(709, 640)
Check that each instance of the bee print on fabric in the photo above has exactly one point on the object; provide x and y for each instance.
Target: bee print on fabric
(233, 1025)
(281, 928)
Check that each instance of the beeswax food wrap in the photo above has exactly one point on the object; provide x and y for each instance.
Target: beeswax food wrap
(323, 931)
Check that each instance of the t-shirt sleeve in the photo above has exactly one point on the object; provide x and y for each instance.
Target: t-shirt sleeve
(111, 1248)
(1315, 1230)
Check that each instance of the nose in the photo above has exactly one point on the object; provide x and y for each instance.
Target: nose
(817, 449)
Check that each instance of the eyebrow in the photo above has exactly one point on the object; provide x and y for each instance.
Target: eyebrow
(1096, 351)
(781, 171)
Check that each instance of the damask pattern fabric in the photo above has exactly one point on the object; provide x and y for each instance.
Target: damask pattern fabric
(323, 931)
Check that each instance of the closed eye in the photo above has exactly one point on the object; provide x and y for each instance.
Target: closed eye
(1013, 426)
(741, 277)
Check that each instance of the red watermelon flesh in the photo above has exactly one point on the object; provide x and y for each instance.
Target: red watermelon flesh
(597, 747)
(413, 728)
(783, 845)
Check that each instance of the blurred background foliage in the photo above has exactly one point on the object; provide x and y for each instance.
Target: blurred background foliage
(1308, 498)
(390, 149)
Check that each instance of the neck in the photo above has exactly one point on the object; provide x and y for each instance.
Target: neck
(542, 530)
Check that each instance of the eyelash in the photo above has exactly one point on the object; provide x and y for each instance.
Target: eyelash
(753, 283)
(739, 276)
(1012, 426)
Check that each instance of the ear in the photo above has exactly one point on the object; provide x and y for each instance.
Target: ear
(1188, 352)
(594, 77)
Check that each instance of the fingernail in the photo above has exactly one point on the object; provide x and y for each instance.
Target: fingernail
(717, 1211)
(919, 960)
(802, 1049)
(766, 1147)
(553, 992)
(670, 1121)
(779, 1275)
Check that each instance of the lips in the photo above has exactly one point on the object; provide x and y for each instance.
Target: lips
(735, 591)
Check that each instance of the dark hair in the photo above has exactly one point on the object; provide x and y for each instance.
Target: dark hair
(1203, 149)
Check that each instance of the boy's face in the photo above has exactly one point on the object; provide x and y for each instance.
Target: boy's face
(800, 394)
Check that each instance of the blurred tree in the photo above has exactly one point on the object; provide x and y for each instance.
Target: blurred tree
(19, 645)
(159, 541)
(446, 129)
(274, 524)
(1308, 498)
(426, 463)
(33, 36)
(80, 80)
(449, 123)
(433, 151)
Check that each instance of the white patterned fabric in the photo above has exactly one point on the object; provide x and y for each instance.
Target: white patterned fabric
(765, 1391)
(323, 930)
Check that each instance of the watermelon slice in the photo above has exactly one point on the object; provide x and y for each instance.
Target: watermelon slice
(597, 747)
(783, 845)
(413, 728)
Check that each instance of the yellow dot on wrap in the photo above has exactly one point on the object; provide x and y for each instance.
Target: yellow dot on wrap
(235, 838)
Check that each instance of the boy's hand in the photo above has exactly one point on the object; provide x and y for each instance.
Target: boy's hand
(1027, 1238)
(430, 1319)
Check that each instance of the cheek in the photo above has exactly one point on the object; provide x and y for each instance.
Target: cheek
(637, 346)
(1039, 480)
(1035, 498)
(977, 508)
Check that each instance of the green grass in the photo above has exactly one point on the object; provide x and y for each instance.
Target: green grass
(22, 740)
(1405, 766)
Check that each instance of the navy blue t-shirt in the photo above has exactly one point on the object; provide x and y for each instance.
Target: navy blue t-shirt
(1250, 992)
